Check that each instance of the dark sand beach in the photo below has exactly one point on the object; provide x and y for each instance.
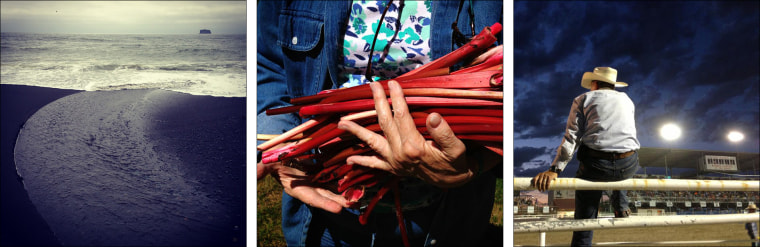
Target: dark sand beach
(21, 224)
(128, 167)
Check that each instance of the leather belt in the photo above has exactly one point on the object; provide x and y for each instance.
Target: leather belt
(606, 155)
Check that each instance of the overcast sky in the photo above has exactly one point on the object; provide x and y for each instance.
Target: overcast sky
(143, 17)
(691, 63)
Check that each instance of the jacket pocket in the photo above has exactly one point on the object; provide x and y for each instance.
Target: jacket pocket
(299, 31)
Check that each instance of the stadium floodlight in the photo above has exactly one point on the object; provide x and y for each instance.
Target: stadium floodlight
(670, 132)
(735, 136)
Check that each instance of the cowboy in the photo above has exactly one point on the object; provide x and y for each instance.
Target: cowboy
(752, 226)
(601, 127)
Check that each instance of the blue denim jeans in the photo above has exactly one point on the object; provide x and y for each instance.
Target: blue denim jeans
(382, 230)
(587, 201)
(460, 218)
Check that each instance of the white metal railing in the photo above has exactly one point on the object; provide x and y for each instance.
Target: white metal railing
(638, 221)
(551, 225)
(644, 184)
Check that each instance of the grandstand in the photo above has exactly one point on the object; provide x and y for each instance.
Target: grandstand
(666, 163)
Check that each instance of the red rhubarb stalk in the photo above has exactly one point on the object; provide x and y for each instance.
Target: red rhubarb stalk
(457, 128)
(496, 149)
(430, 92)
(331, 173)
(494, 60)
(460, 120)
(478, 43)
(366, 104)
(360, 115)
(304, 147)
(488, 138)
(400, 215)
(363, 218)
(276, 152)
(292, 132)
(283, 110)
(267, 137)
(357, 176)
(325, 175)
(471, 129)
(467, 112)
(342, 155)
(470, 80)
(353, 195)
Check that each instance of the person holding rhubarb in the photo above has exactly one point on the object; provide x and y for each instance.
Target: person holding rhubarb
(447, 184)
(602, 129)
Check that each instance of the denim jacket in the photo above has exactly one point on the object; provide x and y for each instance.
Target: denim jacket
(298, 52)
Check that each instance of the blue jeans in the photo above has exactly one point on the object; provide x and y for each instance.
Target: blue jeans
(460, 218)
(382, 230)
(587, 201)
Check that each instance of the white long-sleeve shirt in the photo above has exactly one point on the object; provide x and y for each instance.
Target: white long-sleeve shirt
(602, 120)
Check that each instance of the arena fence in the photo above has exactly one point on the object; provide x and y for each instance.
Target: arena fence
(644, 184)
(551, 225)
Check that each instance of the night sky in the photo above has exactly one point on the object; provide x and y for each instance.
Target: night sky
(695, 64)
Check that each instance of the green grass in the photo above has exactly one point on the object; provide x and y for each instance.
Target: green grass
(269, 194)
(497, 214)
(268, 211)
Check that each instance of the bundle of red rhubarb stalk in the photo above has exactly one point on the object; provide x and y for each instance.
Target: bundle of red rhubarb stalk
(469, 99)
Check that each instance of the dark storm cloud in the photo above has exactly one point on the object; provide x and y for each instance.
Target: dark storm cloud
(527, 162)
(695, 63)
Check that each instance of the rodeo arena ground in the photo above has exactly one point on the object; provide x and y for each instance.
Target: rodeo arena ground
(700, 200)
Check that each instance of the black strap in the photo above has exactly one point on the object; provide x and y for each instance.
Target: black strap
(368, 71)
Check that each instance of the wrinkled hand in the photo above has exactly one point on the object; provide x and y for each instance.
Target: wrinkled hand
(542, 180)
(404, 151)
(298, 185)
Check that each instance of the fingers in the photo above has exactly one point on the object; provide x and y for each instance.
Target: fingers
(313, 197)
(542, 181)
(407, 131)
(384, 114)
(370, 161)
(538, 182)
(443, 136)
(376, 142)
(262, 170)
(339, 199)
(303, 190)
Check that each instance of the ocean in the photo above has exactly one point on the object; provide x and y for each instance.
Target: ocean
(123, 140)
(188, 63)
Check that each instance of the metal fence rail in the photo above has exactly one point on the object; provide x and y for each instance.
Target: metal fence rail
(552, 225)
(644, 184)
(637, 221)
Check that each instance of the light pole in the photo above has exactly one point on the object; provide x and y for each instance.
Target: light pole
(736, 137)
(669, 132)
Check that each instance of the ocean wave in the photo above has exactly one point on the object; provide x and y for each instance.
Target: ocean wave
(55, 67)
(184, 68)
(173, 84)
(10, 48)
(203, 67)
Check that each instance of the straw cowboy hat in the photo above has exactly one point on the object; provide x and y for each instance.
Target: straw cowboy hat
(751, 206)
(605, 74)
